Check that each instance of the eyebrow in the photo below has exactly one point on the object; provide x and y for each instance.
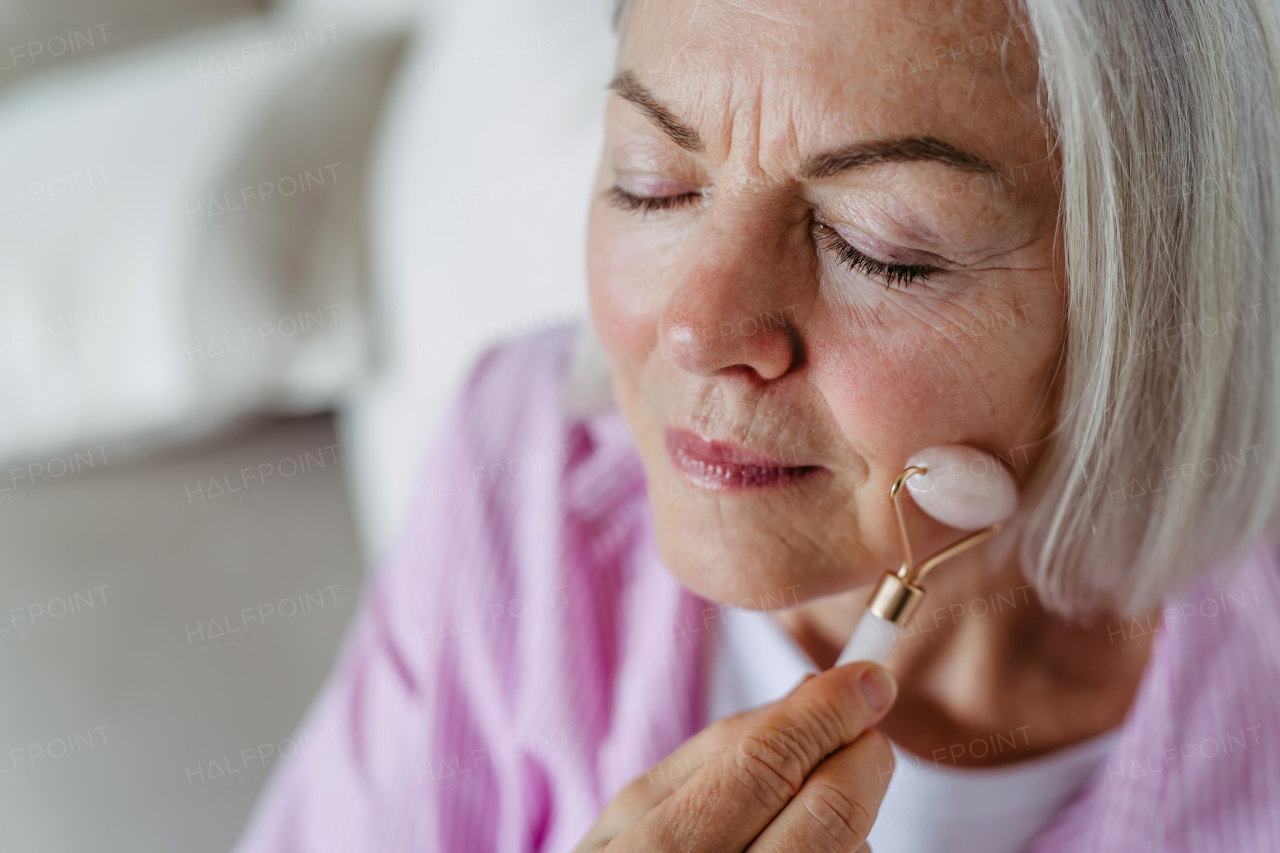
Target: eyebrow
(627, 87)
(911, 149)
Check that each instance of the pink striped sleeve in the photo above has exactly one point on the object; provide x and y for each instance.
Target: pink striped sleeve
(496, 686)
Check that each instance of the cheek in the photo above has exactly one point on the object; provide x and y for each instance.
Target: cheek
(899, 380)
(875, 400)
(625, 302)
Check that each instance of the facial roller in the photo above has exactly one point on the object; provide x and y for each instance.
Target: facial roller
(958, 485)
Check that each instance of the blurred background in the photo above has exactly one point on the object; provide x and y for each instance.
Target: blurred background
(247, 252)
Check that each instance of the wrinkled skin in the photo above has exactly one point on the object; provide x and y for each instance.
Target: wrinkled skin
(691, 301)
(935, 315)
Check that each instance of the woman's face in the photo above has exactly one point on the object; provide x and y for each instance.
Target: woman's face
(822, 238)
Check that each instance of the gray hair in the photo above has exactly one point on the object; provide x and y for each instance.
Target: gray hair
(1162, 465)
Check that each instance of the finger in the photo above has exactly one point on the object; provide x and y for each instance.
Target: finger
(674, 770)
(730, 799)
(659, 781)
(838, 803)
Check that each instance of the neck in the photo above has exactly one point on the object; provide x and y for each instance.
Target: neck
(982, 657)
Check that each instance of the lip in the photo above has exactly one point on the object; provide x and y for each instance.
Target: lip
(717, 465)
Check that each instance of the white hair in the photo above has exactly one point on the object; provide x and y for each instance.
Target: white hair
(1162, 465)
(1167, 119)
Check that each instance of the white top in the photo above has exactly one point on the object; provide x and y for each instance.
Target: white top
(930, 805)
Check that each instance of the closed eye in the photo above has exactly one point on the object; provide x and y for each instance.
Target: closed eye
(624, 200)
(901, 274)
(826, 237)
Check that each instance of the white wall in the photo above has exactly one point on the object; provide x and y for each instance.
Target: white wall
(479, 216)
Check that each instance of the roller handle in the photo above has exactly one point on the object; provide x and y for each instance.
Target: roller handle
(872, 640)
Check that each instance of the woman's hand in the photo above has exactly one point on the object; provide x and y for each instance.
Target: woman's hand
(803, 774)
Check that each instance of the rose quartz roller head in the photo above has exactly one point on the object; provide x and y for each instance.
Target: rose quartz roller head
(958, 485)
(962, 486)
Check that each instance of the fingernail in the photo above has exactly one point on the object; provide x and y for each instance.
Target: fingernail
(878, 687)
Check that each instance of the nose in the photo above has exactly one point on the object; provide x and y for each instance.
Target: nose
(737, 309)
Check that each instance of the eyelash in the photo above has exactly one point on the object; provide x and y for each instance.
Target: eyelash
(828, 238)
(620, 198)
(902, 274)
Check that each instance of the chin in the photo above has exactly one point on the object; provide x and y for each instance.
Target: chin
(754, 566)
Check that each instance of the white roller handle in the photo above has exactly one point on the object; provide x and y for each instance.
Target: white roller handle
(963, 487)
(872, 640)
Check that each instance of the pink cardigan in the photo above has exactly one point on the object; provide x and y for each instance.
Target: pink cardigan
(525, 654)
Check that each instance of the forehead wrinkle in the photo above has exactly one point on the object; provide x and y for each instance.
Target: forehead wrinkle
(738, 127)
(744, 48)
(781, 145)
(744, 8)
(693, 18)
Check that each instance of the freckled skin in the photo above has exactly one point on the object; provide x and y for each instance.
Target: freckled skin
(726, 316)
(862, 375)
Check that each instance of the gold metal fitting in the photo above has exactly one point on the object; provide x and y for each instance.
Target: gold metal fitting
(894, 599)
(897, 595)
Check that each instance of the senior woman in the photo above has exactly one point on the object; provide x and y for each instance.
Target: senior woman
(825, 236)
